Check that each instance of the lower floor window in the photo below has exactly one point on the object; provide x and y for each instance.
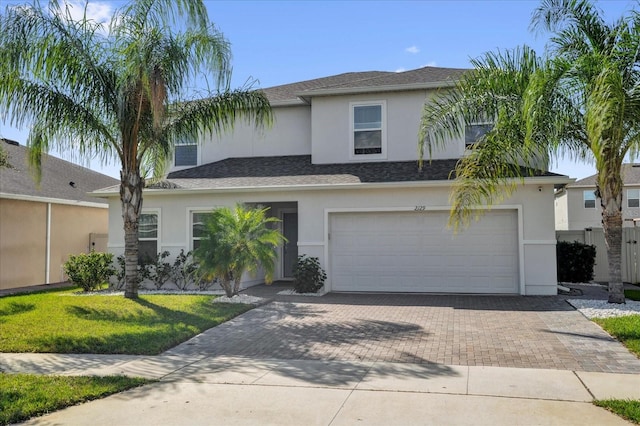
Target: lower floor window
(147, 237)
(198, 222)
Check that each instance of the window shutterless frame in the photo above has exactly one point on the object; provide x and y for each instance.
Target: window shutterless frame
(589, 199)
(148, 235)
(633, 198)
(368, 133)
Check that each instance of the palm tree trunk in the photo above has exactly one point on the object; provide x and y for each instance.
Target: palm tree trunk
(226, 285)
(612, 225)
(236, 284)
(131, 198)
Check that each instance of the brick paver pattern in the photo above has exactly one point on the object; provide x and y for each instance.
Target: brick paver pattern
(504, 331)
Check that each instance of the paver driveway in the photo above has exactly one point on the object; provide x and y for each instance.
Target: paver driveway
(507, 331)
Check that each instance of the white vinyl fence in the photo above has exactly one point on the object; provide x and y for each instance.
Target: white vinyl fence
(630, 251)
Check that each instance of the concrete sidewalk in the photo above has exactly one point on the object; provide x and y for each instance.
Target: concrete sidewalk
(231, 390)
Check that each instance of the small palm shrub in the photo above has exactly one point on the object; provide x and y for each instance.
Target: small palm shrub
(308, 275)
(89, 271)
(236, 241)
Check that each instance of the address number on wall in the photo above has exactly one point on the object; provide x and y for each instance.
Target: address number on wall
(420, 208)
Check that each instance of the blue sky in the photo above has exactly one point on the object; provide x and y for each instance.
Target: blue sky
(279, 42)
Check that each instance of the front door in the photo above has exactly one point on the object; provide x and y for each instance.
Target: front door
(290, 249)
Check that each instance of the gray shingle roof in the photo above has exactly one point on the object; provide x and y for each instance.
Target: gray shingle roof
(298, 170)
(630, 176)
(363, 80)
(56, 177)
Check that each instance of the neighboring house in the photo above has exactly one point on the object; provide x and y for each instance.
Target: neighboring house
(41, 225)
(339, 169)
(578, 207)
(579, 218)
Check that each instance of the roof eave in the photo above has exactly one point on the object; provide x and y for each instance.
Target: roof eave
(538, 180)
(375, 89)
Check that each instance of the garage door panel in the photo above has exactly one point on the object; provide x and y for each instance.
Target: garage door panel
(415, 252)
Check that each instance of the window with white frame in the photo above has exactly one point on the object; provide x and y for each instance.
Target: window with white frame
(186, 153)
(473, 132)
(589, 198)
(147, 236)
(633, 198)
(198, 222)
(368, 133)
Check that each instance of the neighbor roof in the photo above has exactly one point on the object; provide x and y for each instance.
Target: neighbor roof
(630, 176)
(60, 179)
(364, 82)
(297, 170)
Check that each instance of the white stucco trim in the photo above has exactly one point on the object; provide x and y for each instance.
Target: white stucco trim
(517, 207)
(310, 243)
(47, 274)
(540, 242)
(21, 197)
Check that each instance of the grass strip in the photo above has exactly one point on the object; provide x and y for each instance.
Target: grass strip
(626, 329)
(23, 396)
(58, 322)
(626, 408)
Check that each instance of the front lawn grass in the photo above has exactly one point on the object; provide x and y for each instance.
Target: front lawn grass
(23, 396)
(59, 322)
(628, 409)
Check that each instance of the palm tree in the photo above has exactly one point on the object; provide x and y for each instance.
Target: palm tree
(237, 241)
(584, 102)
(119, 92)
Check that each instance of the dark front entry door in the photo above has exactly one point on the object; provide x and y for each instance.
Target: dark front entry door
(290, 251)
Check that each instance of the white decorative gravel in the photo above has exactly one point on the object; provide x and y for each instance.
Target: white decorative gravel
(603, 309)
(240, 298)
(293, 293)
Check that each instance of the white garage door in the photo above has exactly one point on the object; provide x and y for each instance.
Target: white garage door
(415, 252)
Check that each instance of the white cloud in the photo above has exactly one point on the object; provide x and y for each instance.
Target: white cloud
(98, 11)
(430, 64)
(401, 70)
(412, 49)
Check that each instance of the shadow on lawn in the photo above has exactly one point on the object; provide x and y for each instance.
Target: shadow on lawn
(14, 308)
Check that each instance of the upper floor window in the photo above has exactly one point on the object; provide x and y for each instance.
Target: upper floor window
(368, 133)
(186, 153)
(473, 132)
(633, 198)
(589, 198)
(147, 236)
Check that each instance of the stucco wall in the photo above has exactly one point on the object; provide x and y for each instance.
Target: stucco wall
(289, 135)
(561, 212)
(331, 128)
(535, 203)
(23, 239)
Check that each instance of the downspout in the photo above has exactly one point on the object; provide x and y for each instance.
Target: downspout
(48, 247)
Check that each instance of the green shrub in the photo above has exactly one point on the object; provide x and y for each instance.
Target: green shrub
(184, 270)
(575, 261)
(157, 270)
(308, 275)
(89, 271)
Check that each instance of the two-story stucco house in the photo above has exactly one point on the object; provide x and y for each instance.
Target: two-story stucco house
(339, 169)
(578, 207)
